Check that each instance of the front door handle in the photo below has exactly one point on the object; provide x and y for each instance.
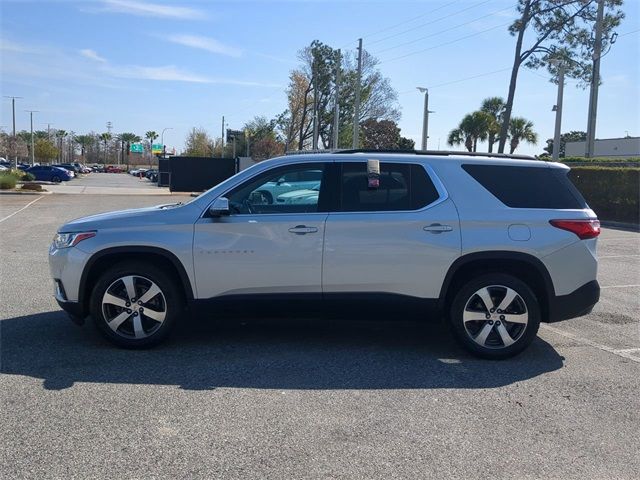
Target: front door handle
(302, 229)
(437, 228)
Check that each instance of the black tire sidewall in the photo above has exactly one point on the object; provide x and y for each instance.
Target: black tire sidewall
(173, 299)
(468, 289)
(56, 179)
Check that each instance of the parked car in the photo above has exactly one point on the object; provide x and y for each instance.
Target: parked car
(80, 167)
(494, 243)
(152, 174)
(3, 168)
(48, 173)
(137, 171)
(114, 169)
(69, 166)
(97, 168)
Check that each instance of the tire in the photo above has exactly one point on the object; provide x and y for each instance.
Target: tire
(501, 333)
(130, 324)
(55, 179)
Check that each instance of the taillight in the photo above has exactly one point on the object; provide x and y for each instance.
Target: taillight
(584, 229)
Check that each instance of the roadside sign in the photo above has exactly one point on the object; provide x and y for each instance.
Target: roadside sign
(156, 148)
(136, 148)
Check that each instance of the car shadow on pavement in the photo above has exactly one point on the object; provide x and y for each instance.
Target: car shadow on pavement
(264, 354)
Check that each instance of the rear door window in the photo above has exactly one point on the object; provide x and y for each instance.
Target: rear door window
(528, 187)
(401, 187)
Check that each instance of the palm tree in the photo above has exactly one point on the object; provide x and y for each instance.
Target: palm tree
(60, 134)
(151, 136)
(458, 137)
(105, 138)
(494, 106)
(128, 139)
(521, 129)
(84, 141)
(473, 127)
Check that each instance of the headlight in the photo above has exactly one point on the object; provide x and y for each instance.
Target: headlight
(66, 240)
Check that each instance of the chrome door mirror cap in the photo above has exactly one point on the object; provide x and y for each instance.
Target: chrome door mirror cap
(219, 207)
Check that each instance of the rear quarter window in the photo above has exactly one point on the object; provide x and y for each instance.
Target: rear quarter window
(528, 187)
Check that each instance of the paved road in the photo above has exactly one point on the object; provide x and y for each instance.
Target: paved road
(109, 184)
(308, 399)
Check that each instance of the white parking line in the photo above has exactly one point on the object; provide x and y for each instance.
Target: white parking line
(624, 353)
(617, 256)
(26, 206)
(620, 286)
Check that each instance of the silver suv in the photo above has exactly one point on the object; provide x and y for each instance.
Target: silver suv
(494, 244)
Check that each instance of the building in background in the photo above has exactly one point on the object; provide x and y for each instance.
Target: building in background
(625, 147)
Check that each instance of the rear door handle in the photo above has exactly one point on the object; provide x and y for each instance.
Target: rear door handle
(437, 228)
(302, 229)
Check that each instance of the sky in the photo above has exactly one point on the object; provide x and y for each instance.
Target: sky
(174, 65)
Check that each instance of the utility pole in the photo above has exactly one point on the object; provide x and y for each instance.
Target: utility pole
(356, 110)
(336, 103)
(558, 109)
(222, 137)
(31, 112)
(595, 82)
(314, 78)
(15, 145)
(425, 117)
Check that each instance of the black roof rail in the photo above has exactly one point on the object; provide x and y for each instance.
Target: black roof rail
(416, 152)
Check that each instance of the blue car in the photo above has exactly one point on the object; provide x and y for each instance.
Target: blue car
(49, 174)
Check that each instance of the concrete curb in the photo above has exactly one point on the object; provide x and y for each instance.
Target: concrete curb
(18, 192)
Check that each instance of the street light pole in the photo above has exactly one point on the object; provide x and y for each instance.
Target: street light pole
(556, 136)
(164, 149)
(31, 112)
(13, 108)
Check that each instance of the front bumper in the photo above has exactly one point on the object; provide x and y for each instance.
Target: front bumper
(74, 310)
(576, 304)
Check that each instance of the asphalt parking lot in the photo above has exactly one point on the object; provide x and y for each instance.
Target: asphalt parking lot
(307, 398)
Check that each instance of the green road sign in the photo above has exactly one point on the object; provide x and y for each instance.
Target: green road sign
(136, 148)
(156, 148)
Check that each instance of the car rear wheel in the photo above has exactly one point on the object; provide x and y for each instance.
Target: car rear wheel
(135, 305)
(495, 316)
(55, 179)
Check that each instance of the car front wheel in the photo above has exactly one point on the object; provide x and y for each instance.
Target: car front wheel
(135, 305)
(495, 316)
(55, 179)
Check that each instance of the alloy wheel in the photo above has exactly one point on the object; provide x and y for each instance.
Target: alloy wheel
(495, 317)
(134, 307)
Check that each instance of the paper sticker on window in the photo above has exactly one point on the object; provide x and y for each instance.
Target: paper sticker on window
(373, 173)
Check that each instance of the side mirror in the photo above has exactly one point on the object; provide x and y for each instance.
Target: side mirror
(219, 207)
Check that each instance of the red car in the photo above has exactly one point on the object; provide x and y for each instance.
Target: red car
(114, 169)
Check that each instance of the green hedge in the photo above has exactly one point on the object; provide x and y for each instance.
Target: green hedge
(600, 160)
(8, 180)
(613, 193)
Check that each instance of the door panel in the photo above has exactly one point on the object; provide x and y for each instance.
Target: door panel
(402, 252)
(258, 254)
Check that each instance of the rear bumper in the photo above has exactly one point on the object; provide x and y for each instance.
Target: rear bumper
(577, 303)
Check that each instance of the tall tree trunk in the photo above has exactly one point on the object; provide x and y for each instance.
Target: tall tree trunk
(475, 144)
(517, 60)
(491, 140)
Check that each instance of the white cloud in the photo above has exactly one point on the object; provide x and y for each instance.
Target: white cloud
(145, 9)
(92, 55)
(164, 73)
(205, 43)
(9, 46)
